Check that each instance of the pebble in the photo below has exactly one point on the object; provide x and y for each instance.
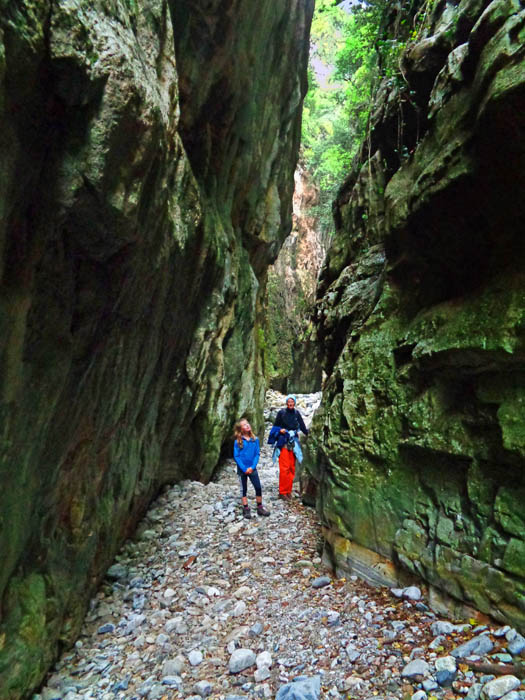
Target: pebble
(173, 667)
(501, 632)
(476, 646)
(262, 674)
(352, 653)
(446, 663)
(117, 571)
(198, 585)
(412, 593)
(437, 642)
(242, 592)
(445, 678)
(300, 689)
(429, 684)
(321, 581)
(240, 660)
(239, 609)
(493, 690)
(195, 657)
(203, 688)
(474, 691)
(417, 667)
(517, 645)
(255, 630)
(264, 659)
(442, 627)
(419, 695)
(514, 695)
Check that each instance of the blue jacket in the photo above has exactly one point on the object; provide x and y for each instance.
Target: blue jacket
(248, 456)
(279, 441)
(290, 419)
(276, 437)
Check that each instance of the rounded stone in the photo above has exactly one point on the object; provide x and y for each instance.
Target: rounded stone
(417, 667)
(262, 674)
(321, 581)
(480, 646)
(203, 688)
(419, 695)
(412, 593)
(241, 659)
(445, 678)
(117, 571)
(517, 645)
(442, 627)
(173, 667)
(255, 630)
(493, 690)
(242, 592)
(264, 659)
(429, 684)
(195, 657)
(446, 663)
(239, 609)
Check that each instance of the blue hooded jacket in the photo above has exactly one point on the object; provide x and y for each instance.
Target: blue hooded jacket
(248, 455)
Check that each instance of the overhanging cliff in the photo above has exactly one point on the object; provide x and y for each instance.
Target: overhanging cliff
(137, 220)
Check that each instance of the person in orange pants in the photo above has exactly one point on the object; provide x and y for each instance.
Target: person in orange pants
(288, 420)
(286, 472)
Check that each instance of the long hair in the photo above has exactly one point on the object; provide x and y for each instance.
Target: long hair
(237, 432)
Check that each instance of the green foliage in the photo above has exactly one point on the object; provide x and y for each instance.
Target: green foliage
(337, 104)
(327, 148)
(351, 52)
(261, 340)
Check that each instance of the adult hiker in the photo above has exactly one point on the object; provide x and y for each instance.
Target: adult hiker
(246, 451)
(285, 436)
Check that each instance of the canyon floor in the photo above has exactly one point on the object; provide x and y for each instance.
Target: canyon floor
(203, 603)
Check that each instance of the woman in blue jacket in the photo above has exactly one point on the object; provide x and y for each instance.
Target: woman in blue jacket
(246, 451)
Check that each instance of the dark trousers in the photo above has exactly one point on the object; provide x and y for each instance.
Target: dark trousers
(243, 481)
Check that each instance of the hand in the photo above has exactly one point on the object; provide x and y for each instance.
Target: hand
(282, 431)
(249, 470)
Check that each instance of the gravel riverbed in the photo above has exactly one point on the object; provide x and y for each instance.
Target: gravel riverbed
(203, 603)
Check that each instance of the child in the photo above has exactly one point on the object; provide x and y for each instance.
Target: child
(246, 452)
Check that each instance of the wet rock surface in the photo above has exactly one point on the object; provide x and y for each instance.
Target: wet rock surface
(419, 316)
(202, 603)
(145, 187)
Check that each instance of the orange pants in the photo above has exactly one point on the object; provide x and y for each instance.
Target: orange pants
(286, 471)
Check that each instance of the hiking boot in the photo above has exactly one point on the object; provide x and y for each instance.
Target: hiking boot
(261, 510)
(246, 512)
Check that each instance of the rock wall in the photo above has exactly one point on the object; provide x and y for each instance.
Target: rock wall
(418, 451)
(131, 267)
(290, 351)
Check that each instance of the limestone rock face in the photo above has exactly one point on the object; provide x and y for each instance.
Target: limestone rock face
(418, 451)
(131, 267)
(290, 351)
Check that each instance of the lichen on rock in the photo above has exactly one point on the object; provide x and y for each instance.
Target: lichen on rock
(147, 171)
(419, 441)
